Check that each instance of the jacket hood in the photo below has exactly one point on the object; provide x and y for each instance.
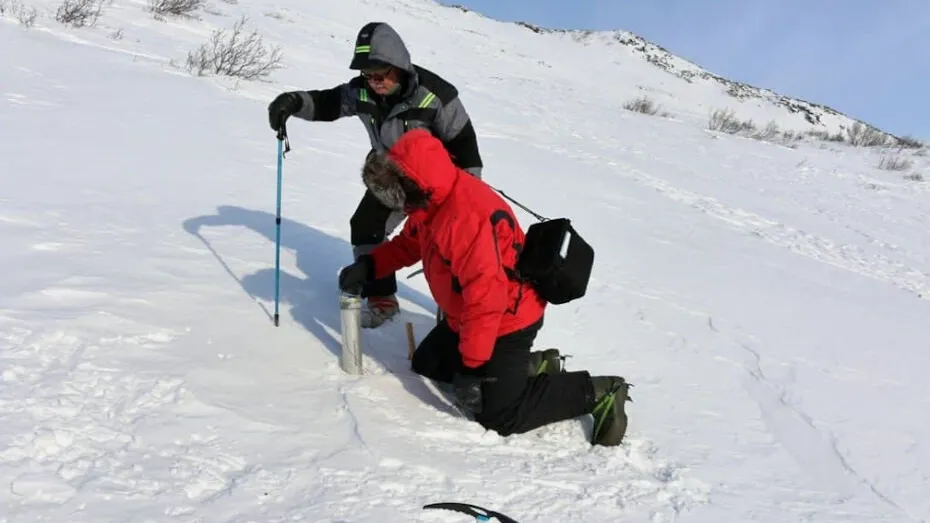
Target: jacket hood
(378, 42)
(424, 160)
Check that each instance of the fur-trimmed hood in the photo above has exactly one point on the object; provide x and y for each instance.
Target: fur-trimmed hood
(415, 174)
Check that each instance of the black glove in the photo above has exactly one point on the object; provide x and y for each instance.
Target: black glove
(353, 277)
(468, 392)
(281, 107)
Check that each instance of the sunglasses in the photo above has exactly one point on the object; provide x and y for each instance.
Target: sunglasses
(377, 75)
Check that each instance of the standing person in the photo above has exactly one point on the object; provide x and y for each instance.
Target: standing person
(391, 96)
(468, 239)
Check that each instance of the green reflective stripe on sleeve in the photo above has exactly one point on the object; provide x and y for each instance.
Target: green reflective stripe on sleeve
(363, 49)
(363, 95)
(428, 99)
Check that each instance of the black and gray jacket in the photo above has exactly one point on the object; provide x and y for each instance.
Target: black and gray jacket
(427, 101)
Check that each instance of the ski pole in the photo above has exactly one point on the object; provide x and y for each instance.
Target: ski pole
(283, 147)
(479, 513)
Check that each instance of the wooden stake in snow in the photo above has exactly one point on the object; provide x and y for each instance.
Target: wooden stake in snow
(411, 341)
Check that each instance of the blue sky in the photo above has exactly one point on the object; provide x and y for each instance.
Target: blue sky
(869, 59)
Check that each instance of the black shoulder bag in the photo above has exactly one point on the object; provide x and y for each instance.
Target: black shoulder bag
(554, 259)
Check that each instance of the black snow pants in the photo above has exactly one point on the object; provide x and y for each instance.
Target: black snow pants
(370, 225)
(515, 402)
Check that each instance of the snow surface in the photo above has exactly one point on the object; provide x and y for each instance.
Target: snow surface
(769, 303)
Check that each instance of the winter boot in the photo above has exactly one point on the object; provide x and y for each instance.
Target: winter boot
(545, 362)
(610, 397)
(379, 309)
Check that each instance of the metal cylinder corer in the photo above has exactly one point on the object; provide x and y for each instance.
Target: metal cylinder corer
(350, 307)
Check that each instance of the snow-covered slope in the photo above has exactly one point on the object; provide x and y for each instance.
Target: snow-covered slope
(768, 302)
(692, 91)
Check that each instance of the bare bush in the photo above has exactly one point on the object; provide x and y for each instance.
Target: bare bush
(838, 137)
(235, 54)
(914, 177)
(767, 134)
(724, 120)
(643, 104)
(858, 135)
(79, 13)
(825, 136)
(185, 8)
(909, 142)
(25, 15)
(861, 135)
(894, 162)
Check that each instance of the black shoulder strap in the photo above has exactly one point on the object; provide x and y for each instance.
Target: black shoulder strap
(518, 204)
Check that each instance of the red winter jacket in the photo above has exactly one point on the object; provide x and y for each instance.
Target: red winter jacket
(467, 239)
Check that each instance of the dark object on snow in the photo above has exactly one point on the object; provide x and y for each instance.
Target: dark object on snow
(479, 513)
(468, 392)
(281, 108)
(513, 403)
(556, 260)
(610, 420)
(354, 276)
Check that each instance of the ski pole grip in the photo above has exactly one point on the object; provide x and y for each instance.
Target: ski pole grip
(282, 137)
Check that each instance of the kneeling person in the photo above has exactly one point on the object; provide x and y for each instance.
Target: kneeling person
(467, 239)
